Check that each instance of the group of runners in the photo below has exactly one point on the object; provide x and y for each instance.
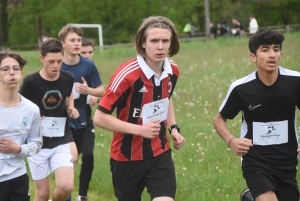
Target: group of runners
(49, 119)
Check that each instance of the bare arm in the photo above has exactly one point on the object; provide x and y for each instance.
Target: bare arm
(178, 139)
(239, 145)
(111, 123)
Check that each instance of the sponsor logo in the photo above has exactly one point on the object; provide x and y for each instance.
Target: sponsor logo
(253, 107)
(24, 121)
(143, 89)
(170, 86)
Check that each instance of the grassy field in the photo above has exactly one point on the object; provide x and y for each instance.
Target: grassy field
(206, 168)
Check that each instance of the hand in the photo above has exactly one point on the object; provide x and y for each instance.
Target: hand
(241, 146)
(73, 113)
(298, 150)
(93, 100)
(151, 129)
(82, 88)
(8, 145)
(178, 139)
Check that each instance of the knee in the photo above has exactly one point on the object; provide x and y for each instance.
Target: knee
(42, 194)
(66, 189)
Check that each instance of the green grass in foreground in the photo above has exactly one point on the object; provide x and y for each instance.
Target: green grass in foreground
(206, 168)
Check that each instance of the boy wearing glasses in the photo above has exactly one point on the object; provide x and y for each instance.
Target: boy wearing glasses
(20, 122)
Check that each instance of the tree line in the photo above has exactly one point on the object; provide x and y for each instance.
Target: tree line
(24, 21)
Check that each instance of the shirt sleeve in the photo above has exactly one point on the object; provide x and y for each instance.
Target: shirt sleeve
(34, 139)
(94, 79)
(25, 88)
(231, 105)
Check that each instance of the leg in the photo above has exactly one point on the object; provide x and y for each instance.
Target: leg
(87, 166)
(74, 153)
(267, 196)
(160, 178)
(62, 166)
(64, 179)
(42, 189)
(128, 179)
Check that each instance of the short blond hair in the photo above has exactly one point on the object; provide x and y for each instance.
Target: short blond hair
(156, 22)
(69, 29)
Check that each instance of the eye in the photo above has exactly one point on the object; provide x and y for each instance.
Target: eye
(5, 69)
(17, 68)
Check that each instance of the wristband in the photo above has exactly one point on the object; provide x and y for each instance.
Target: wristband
(230, 141)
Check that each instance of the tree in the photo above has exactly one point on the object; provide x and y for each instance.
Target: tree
(4, 22)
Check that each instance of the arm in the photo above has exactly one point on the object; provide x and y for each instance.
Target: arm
(240, 146)
(72, 112)
(178, 140)
(111, 123)
(85, 89)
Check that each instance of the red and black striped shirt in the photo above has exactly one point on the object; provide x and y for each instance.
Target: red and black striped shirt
(133, 85)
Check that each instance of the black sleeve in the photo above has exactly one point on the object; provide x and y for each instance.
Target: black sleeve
(231, 105)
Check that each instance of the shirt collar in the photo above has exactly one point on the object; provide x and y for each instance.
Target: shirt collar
(167, 69)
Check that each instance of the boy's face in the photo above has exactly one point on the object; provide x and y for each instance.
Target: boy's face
(267, 58)
(157, 45)
(52, 63)
(10, 73)
(87, 51)
(72, 43)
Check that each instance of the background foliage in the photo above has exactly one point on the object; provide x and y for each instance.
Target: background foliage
(24, 21)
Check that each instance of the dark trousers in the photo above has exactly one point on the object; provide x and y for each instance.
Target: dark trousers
(85, 139)
(16, 189)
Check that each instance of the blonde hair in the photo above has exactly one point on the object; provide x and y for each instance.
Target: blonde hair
(69, 29)
(156, 22)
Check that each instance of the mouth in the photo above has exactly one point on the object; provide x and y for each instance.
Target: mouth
(271, 63)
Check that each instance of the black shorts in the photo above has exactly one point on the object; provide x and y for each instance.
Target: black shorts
(285, 187)
(16, 189)
(157, 174)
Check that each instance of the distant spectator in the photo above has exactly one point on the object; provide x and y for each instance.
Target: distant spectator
(238, 28)
(223, 28)
(45, 37)
(253, 26)
(213, 31)
(189, 29)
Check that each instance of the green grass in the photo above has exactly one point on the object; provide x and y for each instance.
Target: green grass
(206, 168)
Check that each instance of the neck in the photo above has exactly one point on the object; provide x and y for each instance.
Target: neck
(268, 78)
(71, 59)
(9, 98)
(48, 77)
(155, 66)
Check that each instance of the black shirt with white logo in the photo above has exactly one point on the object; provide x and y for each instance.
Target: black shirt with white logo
(270, 106)
(50, 97)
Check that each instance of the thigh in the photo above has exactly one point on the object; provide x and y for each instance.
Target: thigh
(287, 189)
(78, 135)
(88, 141)
(259, 182)
(128, 179)
(19, 189)
(61, 157)
(160, 179)
(64, 177)
(39, 164)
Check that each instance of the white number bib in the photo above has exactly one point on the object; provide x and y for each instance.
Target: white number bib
(155, 110)
(270, 133)
(53, 126)
(76, 95)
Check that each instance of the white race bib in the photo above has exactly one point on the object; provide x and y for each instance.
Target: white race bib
(155, 110)
(53, 126)
(270, 133)
(76, 95)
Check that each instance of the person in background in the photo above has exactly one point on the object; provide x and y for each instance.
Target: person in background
(20, 122)
(141, 90)
(51, 90)
(268, 142)
(253, 26)
(213, 31)
(237, 31)
(87, 82)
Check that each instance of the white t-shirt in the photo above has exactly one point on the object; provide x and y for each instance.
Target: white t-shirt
(253, 26)
(20, 123)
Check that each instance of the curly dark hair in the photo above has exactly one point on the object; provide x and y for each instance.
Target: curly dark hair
(265, 37)
(22, 62)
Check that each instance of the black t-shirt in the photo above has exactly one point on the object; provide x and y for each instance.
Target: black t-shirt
(268, 119)
(50, 97)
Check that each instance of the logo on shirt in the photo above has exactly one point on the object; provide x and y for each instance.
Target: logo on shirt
(253, 107)
(24, 121)
(143, 89)
(52, 99)
(170, 86)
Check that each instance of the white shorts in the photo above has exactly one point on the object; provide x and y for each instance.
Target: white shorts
(47, 160)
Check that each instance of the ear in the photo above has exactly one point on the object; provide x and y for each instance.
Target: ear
(253, 57)
(41, 58)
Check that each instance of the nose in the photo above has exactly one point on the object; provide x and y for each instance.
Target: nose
(272, 53)
(160, 45)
